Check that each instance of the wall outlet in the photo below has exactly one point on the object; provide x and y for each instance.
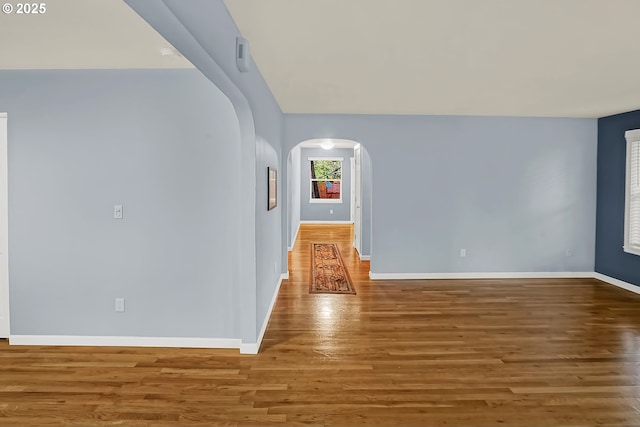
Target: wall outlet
(463, 253)
(119, 304)
(330, 211)
(117, 211)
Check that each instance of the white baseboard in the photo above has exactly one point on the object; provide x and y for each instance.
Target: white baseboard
(253, 348)
(616, 282)
(249, 348)
(294, 238)
(362, 257)
(326, 222)
(491, 275)
(108, 341)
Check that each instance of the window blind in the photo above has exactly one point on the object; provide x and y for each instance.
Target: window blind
(634, 194)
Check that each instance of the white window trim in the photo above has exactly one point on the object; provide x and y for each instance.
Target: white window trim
(631, 136)
(311, 199)
(325, 200)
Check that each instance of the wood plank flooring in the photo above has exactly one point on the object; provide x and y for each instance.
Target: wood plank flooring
(420, 353)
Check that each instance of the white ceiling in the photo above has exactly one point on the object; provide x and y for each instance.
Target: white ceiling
(566, 58)
(82, 34)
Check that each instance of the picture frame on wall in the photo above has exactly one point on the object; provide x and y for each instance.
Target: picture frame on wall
(272, 187)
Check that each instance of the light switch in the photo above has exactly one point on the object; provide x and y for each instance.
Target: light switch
(117, 211)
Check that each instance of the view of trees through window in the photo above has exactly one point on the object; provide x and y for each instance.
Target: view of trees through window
(326, 179)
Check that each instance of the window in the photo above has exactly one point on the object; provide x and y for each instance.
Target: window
(326, 180)
(632, 199)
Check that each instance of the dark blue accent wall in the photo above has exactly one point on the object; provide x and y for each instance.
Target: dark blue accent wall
(611, 260)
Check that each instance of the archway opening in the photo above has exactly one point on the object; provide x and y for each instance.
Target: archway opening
(329, 183)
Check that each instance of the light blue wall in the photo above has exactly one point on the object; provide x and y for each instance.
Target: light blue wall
(211, 24)
(163, 144)
(293, 194)
(321, 211)
(204, 32)
(267, 223)
(516, 193)
(367, 199)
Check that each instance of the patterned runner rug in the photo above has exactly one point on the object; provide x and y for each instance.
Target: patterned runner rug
(328, 274)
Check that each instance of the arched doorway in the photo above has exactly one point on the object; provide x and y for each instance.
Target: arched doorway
(346, 201)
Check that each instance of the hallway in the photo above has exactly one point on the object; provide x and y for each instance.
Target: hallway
(300, 316)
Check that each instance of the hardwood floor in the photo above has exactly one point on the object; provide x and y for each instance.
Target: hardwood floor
(434, 353)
